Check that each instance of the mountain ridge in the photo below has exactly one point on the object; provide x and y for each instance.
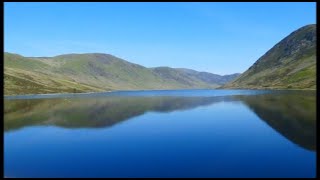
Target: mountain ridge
(95, 72)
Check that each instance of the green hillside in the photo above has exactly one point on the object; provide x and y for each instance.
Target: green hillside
(290, 64)
(94, 72)
(25, 76)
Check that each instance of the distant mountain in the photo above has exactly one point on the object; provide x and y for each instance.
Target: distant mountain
(191, 77)
(289, 64)
(94, 72)
(209, 77)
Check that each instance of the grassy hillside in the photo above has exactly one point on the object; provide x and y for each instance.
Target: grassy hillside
(182, 78)
(94, 72)
(209, 77)
(290, 64)
(26, 76)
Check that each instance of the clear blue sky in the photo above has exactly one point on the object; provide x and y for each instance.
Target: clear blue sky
(221, 38)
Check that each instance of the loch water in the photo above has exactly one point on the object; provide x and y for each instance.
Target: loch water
(173, 133)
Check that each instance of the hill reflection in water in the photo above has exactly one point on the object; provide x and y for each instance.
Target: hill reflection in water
(291, 114)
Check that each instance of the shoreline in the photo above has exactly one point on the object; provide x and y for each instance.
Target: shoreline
(67, 95)
(132, 90)
(55, 94)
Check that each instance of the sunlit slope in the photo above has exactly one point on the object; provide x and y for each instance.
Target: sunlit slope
(290, 64)
(24, 76)
(94, 72)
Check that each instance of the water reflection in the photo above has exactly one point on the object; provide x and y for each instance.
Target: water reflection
(291, 114)
(92, 112)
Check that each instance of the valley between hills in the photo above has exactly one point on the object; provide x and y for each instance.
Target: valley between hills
(290, 64)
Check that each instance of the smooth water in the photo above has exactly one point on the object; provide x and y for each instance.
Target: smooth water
(186, 133)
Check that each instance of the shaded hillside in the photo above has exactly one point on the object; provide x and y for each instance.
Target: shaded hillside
(95, 72)
(289, 64)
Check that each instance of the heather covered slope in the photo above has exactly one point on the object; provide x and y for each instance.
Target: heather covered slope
(290, 64)
(95, 72)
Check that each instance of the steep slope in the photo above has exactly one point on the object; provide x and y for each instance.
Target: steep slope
(289, 64)
(91, 72)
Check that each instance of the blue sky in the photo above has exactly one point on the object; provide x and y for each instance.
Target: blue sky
(221, 38)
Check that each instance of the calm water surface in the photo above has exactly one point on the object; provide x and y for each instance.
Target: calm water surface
(185, 133)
